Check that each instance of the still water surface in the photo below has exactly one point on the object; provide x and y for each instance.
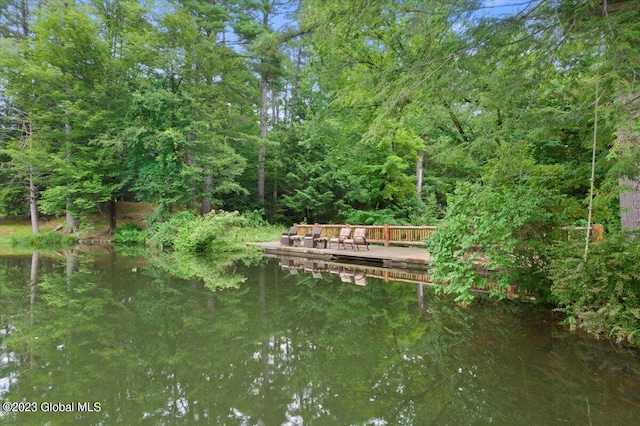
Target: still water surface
(100, 339)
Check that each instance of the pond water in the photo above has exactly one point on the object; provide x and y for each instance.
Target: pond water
(96, 338)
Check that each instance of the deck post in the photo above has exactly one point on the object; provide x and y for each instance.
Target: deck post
(598, 232)
(386, 235)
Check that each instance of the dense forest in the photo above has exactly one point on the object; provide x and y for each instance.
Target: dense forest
(500, 125)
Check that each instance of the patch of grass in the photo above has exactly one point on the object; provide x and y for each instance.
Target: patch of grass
(16, 227)
(97, 224)
(47, 240)
(16, 234)
(259, 234)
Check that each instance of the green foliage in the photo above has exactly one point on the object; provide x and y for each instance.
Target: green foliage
(367, 217)
(600, 295)
(214, 232)
(501, 231)
(130, 233)
(255, 218)
(162, 233)
(12, 201)
(411, 211)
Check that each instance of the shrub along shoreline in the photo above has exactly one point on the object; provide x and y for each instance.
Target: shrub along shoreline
(186, 232)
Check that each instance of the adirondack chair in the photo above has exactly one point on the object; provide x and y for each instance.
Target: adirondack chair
(287, 238)
(359, 238)
(345, 233)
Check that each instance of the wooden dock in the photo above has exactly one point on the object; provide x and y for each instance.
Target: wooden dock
(416, 258)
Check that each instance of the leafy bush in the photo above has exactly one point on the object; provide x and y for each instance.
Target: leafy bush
(216, 232)
(212, 232)
(255, 218)
(130, 233)
(162, 234)
(600, 295)
(502, 231)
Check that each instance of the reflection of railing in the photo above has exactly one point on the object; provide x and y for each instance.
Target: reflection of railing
(384, 234)
(349, 272)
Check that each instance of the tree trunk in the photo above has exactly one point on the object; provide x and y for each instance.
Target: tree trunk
(70, 219)
(206, 200)
(24, 18)
(629, 203)
(33, 206)
(630, 188)
(295, 87)
(191, 161)
(112, 215)
(263, 134)
(27, 131)
(71, 222)
(274, 203)
(419, 166)
(275, 112)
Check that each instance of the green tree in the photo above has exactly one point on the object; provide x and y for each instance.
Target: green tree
(178, 150)
(15, 17)
(390, 70)
(70, 84)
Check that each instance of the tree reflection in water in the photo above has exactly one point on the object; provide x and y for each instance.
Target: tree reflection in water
(179, 340)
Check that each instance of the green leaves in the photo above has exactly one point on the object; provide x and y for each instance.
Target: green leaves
(600, 295)
(497, 233)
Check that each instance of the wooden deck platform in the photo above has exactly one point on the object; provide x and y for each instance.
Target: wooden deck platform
(387, 257)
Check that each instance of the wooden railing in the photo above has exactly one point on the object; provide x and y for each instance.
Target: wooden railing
(386, 235)
(580, 232)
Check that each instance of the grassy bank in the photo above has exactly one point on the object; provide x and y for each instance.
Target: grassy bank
(16, 232)
(191, 233)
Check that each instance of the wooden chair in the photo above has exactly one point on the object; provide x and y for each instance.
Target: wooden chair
(287, 238)
(359, 238)
(345, 233)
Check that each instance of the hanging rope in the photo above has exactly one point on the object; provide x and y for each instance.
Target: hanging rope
(593, 170)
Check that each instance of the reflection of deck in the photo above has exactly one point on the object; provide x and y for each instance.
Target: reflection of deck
(388, 257)
(349, 272)
(359, 273)
(404, 264)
